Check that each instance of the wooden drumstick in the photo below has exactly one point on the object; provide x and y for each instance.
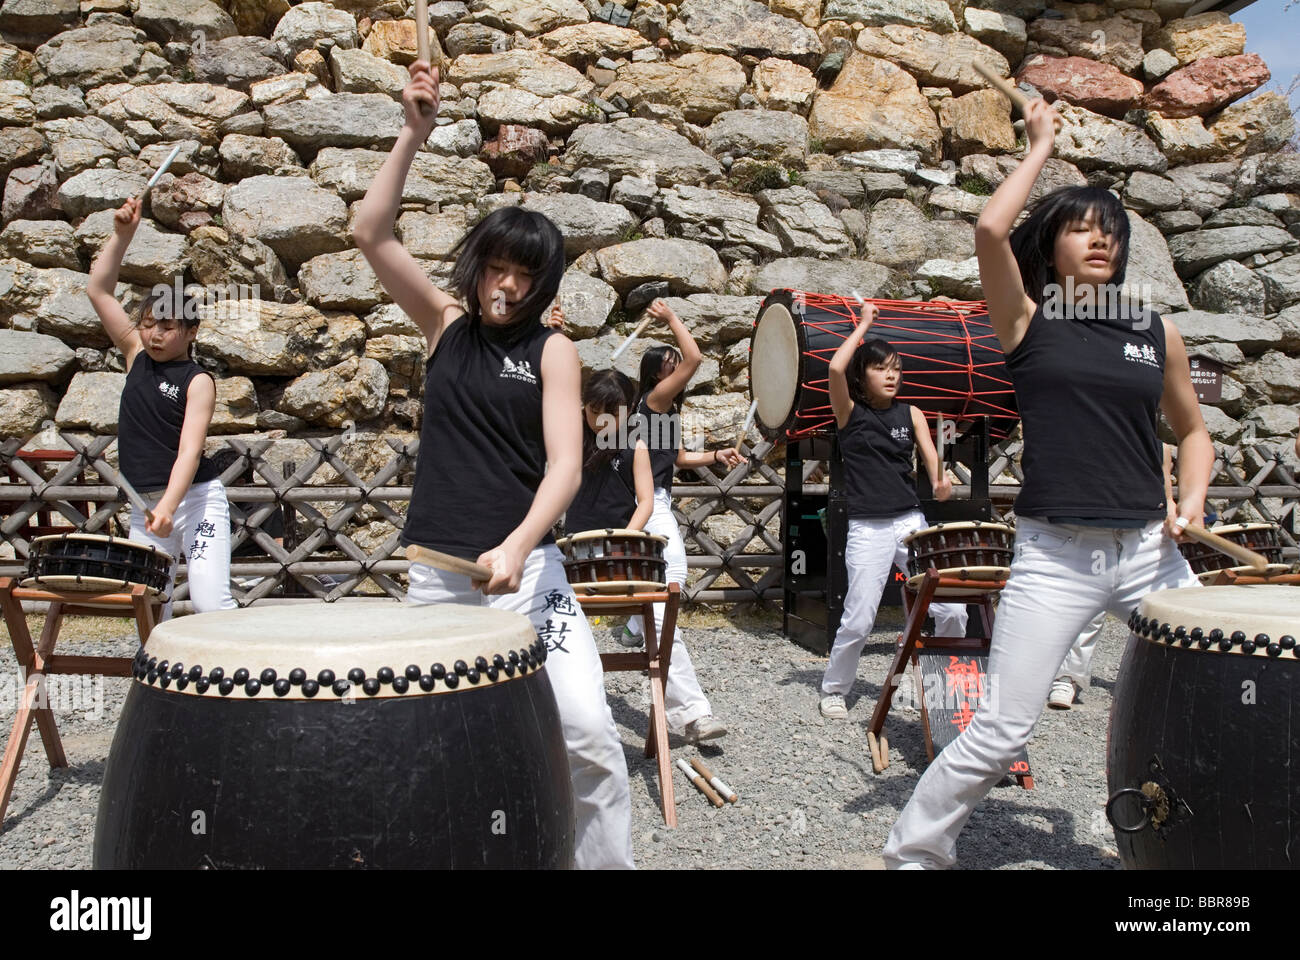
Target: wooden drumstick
(749, 422)
(1235, 550)
(162, 168)
(445, 561)
(640, 329)
(938, 435)
(422, 30)
(723, 790)
(1003, 86)
(700, 782)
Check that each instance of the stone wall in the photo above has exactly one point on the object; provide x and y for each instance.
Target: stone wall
(706, 151)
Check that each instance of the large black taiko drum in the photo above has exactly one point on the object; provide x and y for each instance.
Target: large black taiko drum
(953, 365)
(1202, 748)
(358, 735)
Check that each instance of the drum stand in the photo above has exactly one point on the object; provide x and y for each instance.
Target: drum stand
(39, 661)
(655, 660)
(909, 646)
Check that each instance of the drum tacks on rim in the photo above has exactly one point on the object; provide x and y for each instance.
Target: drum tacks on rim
(973, 550)
(92, 562)
(614, 561)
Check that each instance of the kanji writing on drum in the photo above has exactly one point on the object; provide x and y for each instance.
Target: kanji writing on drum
(965, 688)
(554, 636)
(561, 603)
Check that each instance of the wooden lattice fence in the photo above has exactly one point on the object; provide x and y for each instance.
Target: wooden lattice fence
(313, 524)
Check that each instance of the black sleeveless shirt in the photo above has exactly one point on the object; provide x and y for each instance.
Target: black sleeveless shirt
(662, 434)
(1089, 393)
(876, 446)
(149, 420)
(606, 499)
(482, 453)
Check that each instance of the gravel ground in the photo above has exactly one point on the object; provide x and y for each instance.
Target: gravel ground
(808, 797)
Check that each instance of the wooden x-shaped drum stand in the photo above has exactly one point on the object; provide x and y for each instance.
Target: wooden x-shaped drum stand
(916, 606)
(655, 660)
(40, 661)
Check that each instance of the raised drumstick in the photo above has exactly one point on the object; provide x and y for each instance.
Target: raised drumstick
(1224, 545)
(700, 782)
(723, 790)
(640, 329)
(749, 421)
(1018, 99)
(445, 561)
(422, 30)
(162, 168)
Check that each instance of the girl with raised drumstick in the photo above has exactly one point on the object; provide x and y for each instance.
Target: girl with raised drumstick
(1093, 532)
(877, 437)
(501, 453)
(665, 372)
(618, 492)
(162, 423)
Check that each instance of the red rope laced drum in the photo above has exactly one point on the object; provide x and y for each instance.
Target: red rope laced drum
(971, 550)
(953, 365)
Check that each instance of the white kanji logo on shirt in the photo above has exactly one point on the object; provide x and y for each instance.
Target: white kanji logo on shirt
(518, 371)
(901, 433)
(169, 390)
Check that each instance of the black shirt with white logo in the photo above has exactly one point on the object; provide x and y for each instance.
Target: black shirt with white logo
(607, 498)
(149, 420)
(662, 434)
(1089, 393)
(876, 446)
(482, 452)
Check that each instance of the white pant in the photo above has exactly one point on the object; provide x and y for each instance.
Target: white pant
(684, 700)
(874, 546)
(1078, 662)
(602, 800)
(200, 534)
(1062, 577)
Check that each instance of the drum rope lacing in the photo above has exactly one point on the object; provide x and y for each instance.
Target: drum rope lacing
(818, 417)
(151, 670)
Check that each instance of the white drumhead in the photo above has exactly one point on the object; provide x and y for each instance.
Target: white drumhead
(1272, 609)
(959, 525)
(340, 637)
(601, 534)
(774, 366)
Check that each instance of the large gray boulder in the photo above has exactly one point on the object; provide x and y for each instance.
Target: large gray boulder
(291, 215)
(640, 148)
(337, 120)
(33, 356)
(586, 224)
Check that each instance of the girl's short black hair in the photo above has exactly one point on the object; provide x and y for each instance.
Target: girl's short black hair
(605, 391)
(162, 303)
(1034, 241)
(874, 352)
(651, 372)
(523, 237)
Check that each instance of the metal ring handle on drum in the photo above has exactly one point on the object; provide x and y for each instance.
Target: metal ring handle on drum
(1147, 803)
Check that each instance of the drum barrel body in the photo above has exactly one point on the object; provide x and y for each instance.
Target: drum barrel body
(953, 364)
(376, 735)
(960, 546)
(614, 556)
(1210, 735)
(96, 562)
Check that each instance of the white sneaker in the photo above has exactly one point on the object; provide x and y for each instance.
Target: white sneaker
(1062, 695)
(833, 707)
(707, 727)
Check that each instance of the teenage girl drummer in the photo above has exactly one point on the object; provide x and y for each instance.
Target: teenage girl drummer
(501, 453)
(162, 423)
(1092, 529)
(665, 372)
(877, 437)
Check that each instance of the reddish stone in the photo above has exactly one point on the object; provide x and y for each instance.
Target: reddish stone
(1100, 87)
(31, 193)
(1207, 85)
(515, 151)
